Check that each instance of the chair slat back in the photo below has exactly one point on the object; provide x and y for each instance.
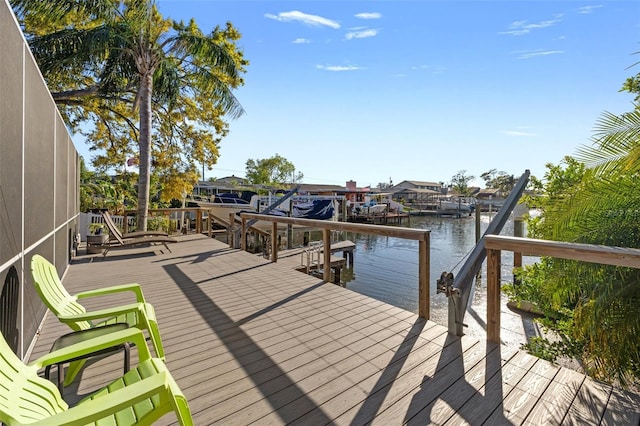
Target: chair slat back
(24, 396)
(53, 294)
(113, 228)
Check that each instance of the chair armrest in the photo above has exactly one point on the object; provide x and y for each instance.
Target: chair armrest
(102, 313)
(133, 287)
(130, 335)
(90, 411)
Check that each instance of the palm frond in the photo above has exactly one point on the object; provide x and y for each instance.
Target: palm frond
(58, 9)
(616, 144)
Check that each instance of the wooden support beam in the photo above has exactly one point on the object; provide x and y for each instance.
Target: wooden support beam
(274, 242)
(326, 239)
(493, 295)
(424, 296)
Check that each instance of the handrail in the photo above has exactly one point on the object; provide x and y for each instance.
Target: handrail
(494, 244)
(420, 235)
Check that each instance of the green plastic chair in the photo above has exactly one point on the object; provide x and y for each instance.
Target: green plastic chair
(141, 396)
(66, 307)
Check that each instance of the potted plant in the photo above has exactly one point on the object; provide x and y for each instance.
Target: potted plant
(96, 239)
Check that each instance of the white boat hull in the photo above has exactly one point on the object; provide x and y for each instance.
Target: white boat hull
(455, 206)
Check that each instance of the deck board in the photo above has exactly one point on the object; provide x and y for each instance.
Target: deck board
(253, 342)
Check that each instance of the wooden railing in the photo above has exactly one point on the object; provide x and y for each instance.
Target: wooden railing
(420, 235)
(494, 245)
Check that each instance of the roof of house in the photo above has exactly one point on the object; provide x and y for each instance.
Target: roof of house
(418, 191)
(321, 188)
(421, 183)
(489, 191)
(232, 179)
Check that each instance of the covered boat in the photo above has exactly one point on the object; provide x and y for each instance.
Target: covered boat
(320, 209)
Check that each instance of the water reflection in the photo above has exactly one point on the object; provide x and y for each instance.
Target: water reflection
(386, 268)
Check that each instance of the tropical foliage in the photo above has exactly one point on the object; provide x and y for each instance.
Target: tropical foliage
(591, 198)
(142, 88)
(101, 191)
(460, 182)
(499, 180)
(275, 171)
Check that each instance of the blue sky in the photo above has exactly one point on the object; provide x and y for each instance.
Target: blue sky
(419, 90)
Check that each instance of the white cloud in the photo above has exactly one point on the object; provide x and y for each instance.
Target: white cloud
(297, 16)
(339, 67)
(529, 55)
(361, 34)
(518, 133)
(437, 69)
(585, 10)
(518, 28)
(301, 41)
(368, 15)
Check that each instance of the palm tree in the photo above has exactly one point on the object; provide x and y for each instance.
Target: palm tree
(135, 55)
(598, 306)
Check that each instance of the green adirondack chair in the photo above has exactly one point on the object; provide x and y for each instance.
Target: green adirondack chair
(69, 311)
(141, 396)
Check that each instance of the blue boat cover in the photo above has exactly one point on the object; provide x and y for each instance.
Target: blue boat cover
(316, 209)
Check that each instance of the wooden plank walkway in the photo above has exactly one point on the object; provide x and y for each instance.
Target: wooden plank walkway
(252, 342)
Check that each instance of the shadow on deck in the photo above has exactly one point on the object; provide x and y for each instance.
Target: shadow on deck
(251, 341)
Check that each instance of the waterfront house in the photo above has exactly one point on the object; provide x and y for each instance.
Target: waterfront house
(416, 184)
(490, 197)
(207, 188)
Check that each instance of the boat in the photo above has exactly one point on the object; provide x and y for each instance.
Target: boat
(370, 207)
(221, 205)
(459, 206)
(317, 207)
(320, 209)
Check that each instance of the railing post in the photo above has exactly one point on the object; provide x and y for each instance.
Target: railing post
(274, 241)
(326, 239)
(243, 238)
(493, 295)
(424, 297)
(125, 224)
(231, 235)
(518, 231)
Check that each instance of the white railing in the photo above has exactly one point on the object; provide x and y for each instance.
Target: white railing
(86, 219)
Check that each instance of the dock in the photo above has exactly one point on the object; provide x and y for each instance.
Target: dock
(255, 342)
(310, 259)
(379, 219)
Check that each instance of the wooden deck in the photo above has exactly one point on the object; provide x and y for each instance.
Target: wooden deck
(253, 342)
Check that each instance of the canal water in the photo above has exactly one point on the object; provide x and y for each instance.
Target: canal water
(386, 268)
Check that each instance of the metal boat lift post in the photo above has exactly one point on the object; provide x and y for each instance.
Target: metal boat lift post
(273, 206)
(459, 291)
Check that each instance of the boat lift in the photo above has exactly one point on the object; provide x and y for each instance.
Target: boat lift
(458, 288)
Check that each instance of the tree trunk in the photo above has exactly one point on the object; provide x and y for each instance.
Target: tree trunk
(144, 177)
